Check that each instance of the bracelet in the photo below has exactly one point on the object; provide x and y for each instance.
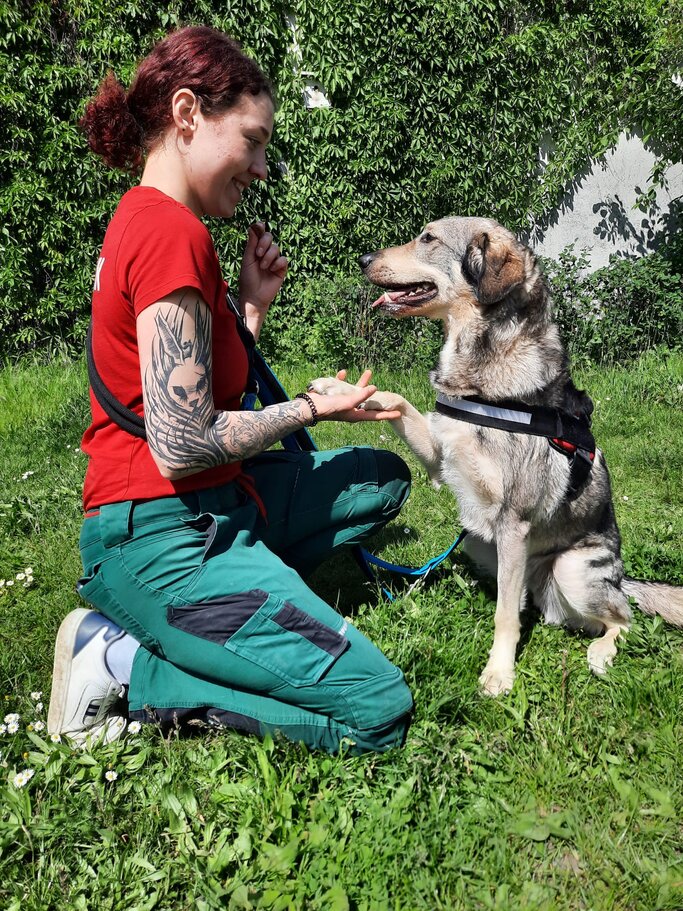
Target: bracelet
(311, 404)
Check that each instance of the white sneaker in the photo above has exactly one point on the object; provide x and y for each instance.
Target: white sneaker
(84, 693)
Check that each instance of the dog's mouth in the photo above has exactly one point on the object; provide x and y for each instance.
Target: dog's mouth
(406, 295)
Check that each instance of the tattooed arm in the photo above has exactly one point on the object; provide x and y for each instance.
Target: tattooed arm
(185, 433)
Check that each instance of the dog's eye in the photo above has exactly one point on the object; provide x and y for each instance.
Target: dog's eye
(427, 238)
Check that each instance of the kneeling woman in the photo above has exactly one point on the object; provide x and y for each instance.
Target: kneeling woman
(195, 539)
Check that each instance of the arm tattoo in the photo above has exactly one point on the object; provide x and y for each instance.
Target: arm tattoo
(183, 427)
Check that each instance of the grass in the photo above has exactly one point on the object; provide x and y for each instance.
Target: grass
(566, 794)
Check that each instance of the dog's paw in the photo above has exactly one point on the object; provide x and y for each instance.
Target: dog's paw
(330, 385)
(496, 681)
(601, 655)
(385, 401)
(603, 651)
(380, 401)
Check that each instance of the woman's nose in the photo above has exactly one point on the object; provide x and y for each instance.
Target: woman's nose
(259, 167)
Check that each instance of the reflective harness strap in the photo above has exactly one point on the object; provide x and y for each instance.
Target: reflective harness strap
(566, 433)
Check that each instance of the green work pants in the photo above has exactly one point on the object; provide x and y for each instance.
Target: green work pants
(230, 632)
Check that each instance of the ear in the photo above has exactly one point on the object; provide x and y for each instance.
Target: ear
(185, 107)
(495, 265)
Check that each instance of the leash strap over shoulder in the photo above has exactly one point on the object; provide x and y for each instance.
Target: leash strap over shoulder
(566, 433)
(126, 419)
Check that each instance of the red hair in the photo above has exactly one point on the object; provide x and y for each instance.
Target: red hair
(121, 126)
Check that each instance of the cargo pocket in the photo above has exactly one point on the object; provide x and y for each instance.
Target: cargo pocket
(269, 632)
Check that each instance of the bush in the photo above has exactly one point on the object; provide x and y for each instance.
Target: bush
(334, 326)
(614, 314)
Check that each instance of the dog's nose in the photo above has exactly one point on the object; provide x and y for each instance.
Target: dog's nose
(365, 260)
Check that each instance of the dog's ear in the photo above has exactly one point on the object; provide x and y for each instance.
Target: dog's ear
(494, 265)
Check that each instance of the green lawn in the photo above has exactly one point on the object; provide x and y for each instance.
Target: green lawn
(566, 794)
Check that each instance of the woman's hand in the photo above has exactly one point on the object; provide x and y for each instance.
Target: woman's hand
(349, 407)
(261, 276)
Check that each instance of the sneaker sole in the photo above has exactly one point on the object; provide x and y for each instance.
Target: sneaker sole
(61, 671)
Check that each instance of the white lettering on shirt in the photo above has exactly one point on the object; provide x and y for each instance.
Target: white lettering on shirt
(100, 263)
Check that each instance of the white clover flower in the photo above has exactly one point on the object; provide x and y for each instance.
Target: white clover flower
(38, 725)
(3, 728)
(2, 583)
(13, 716)
(111, 776)
(29, 572)
(36, 696)
(27, 474)
(625, 498)
(134, 727)
(9, 582)
(39, 706)
(55, 738)
(12, 727)
(20, 577)
(23, 778)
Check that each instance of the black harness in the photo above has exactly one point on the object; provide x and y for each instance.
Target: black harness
(566, 433)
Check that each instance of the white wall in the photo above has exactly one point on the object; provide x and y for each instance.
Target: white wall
(597, 212)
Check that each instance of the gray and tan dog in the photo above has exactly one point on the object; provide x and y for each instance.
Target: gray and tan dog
(529, 524)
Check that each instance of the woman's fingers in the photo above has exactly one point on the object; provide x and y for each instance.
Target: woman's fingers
(365, 377)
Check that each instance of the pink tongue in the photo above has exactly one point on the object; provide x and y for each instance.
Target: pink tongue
(391, 295)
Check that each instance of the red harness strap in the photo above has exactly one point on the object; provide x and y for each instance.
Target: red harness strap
(569, 448)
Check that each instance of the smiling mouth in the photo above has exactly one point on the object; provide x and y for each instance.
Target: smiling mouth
(406, 295)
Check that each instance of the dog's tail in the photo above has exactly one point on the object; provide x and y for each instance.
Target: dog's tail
(656, 598)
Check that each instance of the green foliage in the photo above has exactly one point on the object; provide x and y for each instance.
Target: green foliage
(438, 107)
(336, 327)
(616, 313)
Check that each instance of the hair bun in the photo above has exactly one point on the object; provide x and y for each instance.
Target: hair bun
(112, 131)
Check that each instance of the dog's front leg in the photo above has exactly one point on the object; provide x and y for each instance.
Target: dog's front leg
(512, 546)
(411, 427)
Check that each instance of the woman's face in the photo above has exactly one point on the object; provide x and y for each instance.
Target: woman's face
(225, 152)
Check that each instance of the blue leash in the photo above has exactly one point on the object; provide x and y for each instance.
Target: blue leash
(268, 391)
(416, 572)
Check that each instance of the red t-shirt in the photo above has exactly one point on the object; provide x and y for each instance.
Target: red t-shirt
(153, 246)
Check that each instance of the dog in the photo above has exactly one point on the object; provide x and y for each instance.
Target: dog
(537, 506)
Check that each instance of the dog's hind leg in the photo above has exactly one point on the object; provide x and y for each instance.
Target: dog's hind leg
(512, 546)
(588, 580)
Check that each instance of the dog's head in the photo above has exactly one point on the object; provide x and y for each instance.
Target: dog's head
(466, 261)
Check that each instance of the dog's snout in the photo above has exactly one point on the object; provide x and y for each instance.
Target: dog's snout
(365, 260)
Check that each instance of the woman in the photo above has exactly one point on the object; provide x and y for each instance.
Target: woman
(195, 539)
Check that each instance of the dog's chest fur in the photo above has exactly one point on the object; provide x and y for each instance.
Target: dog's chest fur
(491, 471)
